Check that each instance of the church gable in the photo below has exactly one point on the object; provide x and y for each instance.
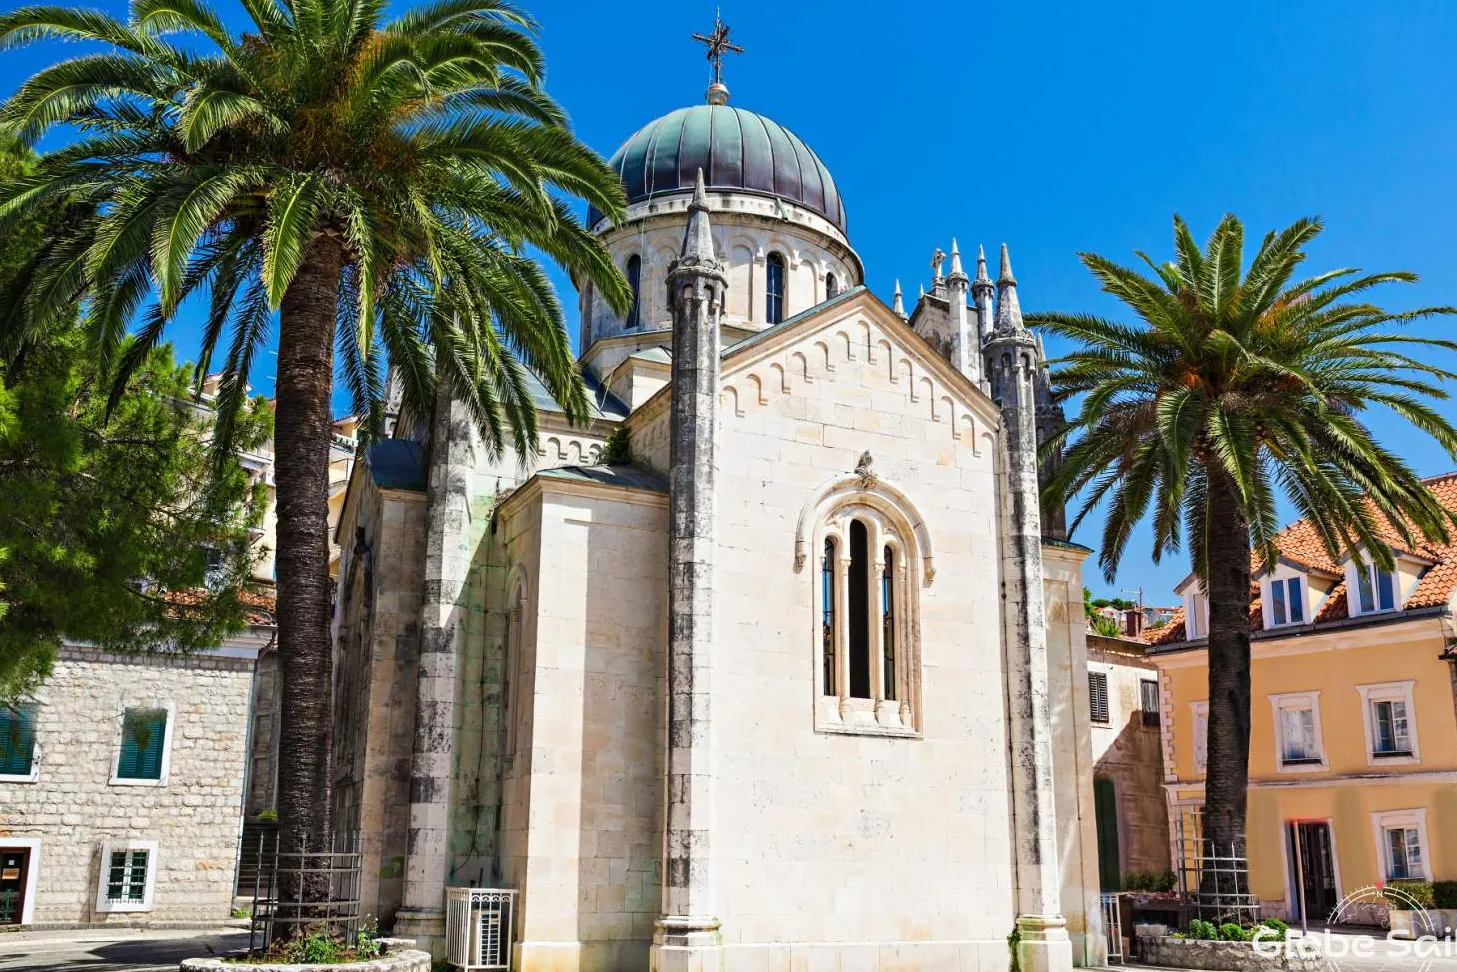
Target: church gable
(856, 343)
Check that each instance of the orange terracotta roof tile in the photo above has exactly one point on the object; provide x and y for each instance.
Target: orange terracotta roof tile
(1299, 542)
(262, 606)
(1170, 633)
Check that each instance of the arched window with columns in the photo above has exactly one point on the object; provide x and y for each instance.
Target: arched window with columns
(875, 557)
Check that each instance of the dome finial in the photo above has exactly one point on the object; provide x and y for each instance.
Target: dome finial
(718, 44)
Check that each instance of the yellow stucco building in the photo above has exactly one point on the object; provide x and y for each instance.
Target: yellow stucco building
(1353, 727)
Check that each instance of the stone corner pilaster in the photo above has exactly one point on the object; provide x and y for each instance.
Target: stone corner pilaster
(1044, 945)
(426, 926)
(687, 944)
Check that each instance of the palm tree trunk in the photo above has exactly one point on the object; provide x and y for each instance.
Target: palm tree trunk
(302, 433)
(1229, 682)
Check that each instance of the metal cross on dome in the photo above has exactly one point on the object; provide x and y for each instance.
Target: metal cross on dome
(718, 45)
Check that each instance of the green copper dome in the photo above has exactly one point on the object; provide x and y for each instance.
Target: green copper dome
(737, 151)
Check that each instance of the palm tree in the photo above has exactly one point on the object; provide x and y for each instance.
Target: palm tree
(1230, 388)
(375, 182)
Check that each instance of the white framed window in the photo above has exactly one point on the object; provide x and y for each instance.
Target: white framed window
(128, 875)
(1196, 613)
(1200, 712)
(1286, 601)
(1369, 589)
(144, 745)
(1390, 720)
(1401, 844)
(1299, 747)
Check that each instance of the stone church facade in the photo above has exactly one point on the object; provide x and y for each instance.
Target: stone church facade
(803, 684)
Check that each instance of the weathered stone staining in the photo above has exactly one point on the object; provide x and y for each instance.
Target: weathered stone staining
(793, 688)
(688, 933)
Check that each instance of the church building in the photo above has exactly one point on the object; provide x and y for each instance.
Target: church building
(775, 663)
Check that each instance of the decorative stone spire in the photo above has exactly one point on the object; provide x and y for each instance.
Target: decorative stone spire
(982, 280)
(956, 271)
(698, 236)
(982, 290)
(1009, 311)
(898, 304)
(687, 935)
(964, 335)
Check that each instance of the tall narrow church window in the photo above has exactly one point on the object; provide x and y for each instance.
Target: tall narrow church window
(827, 618)
(774, 289)
(874, 557)
(887, 622)
(634, 280)
(858, 616)
(832, 286)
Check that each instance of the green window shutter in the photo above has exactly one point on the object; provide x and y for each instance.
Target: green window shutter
(17, 739)
(143, 734)
(1105, 808)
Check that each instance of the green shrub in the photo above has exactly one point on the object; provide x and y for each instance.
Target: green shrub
(1281, 930)
(270, 816)
(617, 450)
(1421, 892)
(1204, 931)
(366, 943)
(1444, 894)
(1149, 881)
(319, 948)
(1230, 932)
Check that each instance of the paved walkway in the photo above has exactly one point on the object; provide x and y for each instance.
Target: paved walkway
(112, 949)
(1353, 952)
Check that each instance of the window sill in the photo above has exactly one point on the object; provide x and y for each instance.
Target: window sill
(856, 729)
(1392, 759)
(1303, 766)
(112, 907)
(130, 781)
(31, 777)
(862, 717)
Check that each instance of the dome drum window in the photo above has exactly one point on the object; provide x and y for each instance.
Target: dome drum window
(774, 289)
(634, 281)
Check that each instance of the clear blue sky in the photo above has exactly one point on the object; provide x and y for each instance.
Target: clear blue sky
(1060, 127)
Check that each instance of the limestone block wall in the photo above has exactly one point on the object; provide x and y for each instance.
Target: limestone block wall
(1073, 764)
(866, 850)
(375, 653)
(73, 807)
(582, 812)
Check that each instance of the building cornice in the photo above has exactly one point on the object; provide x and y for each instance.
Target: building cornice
(1364, 631)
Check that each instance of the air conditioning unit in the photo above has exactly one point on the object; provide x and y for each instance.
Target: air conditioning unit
(479, 927)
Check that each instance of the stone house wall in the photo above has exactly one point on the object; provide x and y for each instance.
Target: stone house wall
(73, 806)
(1127, 753)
